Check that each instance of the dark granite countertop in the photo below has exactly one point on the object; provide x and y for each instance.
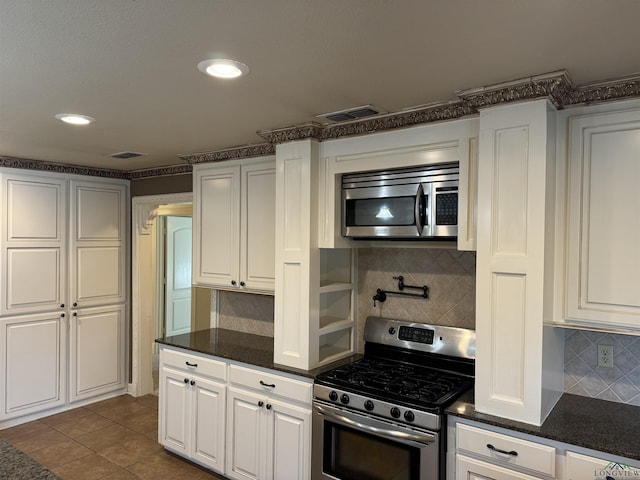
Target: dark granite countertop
(601, 425)
(247, 348)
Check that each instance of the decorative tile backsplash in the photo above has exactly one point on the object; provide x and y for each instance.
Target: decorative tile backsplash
(245, 312)
(582, 376)
(449, 274)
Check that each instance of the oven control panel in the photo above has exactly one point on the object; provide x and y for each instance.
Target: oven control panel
(415, 334)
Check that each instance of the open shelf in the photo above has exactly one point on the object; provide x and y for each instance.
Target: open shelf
(336, 345)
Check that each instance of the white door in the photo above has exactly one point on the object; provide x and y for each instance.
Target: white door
(97, 351)
(175, 411)
(178, 276)
(245, 435)
(216, 240)
(209, 406)
(98, 243)
(290, 436)
(32, 363)
(33, 244)
(258, 237)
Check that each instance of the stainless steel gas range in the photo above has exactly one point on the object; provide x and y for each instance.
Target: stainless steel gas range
(382, 417)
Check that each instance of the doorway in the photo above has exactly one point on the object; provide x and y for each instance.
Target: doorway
(147, 299)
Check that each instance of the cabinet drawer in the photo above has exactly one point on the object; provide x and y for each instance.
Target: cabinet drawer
(287, 388)
(470, 469)
(194, 363)
(526, 454)
(582, 466)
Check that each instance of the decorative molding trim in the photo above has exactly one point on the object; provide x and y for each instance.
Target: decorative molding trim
(606, 91)
(159, 172)
(247, 151)
(290, 134)
(27, 164)
(555, 86)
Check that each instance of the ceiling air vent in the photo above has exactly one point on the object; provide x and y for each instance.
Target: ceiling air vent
(352, 113)
(126, 155)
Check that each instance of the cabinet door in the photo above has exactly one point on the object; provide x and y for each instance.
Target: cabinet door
(604, 225)
(98, 243)
(174, 410)
(216, 230)
(97, 351)
(33, 243)
(258, 209)
(471, 469)
(245, 435)
(289, 435)
(208, 436)
(32, 364)
(579, 467)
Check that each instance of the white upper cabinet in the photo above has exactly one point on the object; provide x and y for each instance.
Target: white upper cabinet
(233, 231)
(518, 357)
(603, 259)
(33, 243)
(98, 241)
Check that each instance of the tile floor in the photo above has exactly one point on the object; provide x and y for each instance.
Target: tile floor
(115, 439)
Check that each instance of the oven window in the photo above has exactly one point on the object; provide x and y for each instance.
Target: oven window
(350, 454)
(371, 212)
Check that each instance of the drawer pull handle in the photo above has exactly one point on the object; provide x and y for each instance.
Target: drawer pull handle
(191, 364)
(513, 453)
(272, 385)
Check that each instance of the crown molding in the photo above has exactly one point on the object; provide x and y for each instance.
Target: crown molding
(29, 164)
(159, 172)
(247, 151)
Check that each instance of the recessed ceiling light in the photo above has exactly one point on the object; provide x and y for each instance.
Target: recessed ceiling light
(74, 119)
(223, 68)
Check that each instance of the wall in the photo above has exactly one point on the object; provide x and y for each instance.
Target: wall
(583, 377)
(160, 185)
(449, 274)
(245, 312)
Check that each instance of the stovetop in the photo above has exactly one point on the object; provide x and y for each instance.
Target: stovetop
(411, 385)
(409, 374)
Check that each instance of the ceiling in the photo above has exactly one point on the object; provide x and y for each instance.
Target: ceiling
(132, 65)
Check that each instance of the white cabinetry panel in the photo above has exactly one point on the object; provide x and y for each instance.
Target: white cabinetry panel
(603, 258)
(175, 422)
(519, 357)
(99, 212)
(245, 435)
(32, 363)
(97, 351)
(33, 277)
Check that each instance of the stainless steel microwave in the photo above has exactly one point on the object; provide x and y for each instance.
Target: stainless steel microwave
(407, 203)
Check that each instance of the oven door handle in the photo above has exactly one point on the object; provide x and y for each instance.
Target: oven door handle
(422, 438)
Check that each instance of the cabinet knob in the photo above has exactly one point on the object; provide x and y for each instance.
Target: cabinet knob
(75, 314)
(193, 382)
(242, 284)
(75, 304)
(233, 282)
(186, 380)
(62, 315)
(260, 403)
(268, 406)
(62, 305)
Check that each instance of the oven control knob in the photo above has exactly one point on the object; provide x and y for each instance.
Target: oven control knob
(392, 331)
(409, 416)
(368, 405)
(395, 412)
(344, 398)
(333, 396)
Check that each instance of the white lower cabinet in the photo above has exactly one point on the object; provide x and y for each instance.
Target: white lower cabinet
(32, 363)
(268, 426)
(255, 425)
(97, 351)
(485, 452)
(192, 407)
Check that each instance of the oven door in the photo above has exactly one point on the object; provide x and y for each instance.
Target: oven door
(348, 445)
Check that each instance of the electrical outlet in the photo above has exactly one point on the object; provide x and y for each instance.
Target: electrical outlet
(605, 356)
